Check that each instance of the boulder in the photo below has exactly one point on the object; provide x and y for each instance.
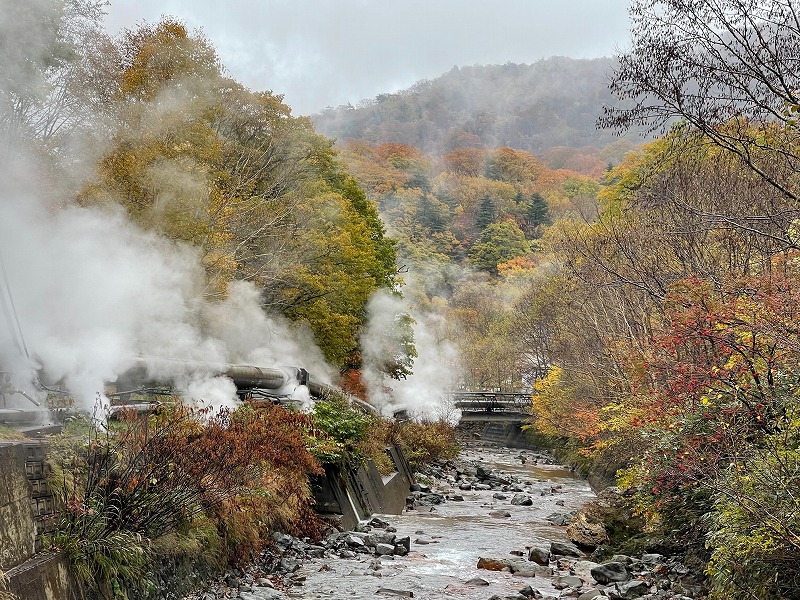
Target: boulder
(560, 518)
(523, 568)
(539, 555)
(583, 569)
(378, 523)
(477, 582)
(652, 559)
(586, 534)
(610, 572)
(521, 500)
(404, 543)
(384, 549)
(565, 581)
(380, 537)
(494, 564)
(564, 549)
(354, 541)
(629, 589)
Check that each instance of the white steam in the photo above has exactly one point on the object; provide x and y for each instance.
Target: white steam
(435, 370)
(93, 292)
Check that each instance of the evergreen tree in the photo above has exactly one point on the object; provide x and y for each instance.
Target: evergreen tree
(486, 213)
(538, 212)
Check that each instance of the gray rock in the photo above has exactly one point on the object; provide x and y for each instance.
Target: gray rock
(392, 592)
(378, 523)
(565, 581)
(380, 537)
(354, 541)
(559, 519)
(383, 549)
(289, 565)
(477, 582)
(539, 555)
(610, 572)
(499, 514)
(424, 541)
(652, 559)
(457, 498)
(629, 589)
(583, 569)
(591, 594)
(564, 549)
(521, 500)
(530, 592)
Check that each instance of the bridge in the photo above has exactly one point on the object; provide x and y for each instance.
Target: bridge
(492, 406)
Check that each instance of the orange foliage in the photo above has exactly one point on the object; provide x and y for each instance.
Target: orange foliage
(465, 161)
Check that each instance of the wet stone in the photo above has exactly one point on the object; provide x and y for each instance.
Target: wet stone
(539, 555)
(610, 572)
(381, 549)
(522, 500)
(565, 549)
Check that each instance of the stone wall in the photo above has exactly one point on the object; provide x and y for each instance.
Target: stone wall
(17, 527)
(27, 510)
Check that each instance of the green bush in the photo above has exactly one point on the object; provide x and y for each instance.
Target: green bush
(344, 427)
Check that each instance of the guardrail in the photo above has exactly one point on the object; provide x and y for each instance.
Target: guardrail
(490, 402)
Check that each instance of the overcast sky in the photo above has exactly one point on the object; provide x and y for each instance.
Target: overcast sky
(322, 53)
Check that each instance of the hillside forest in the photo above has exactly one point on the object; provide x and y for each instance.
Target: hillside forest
(652, 305)
(646, 293)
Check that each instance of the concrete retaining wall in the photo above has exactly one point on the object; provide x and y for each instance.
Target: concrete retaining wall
(349, 495)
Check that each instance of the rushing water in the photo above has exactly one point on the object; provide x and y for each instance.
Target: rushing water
(458, 534)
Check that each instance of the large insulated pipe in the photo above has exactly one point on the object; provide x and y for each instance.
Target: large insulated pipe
(246, 377)
(243, 376)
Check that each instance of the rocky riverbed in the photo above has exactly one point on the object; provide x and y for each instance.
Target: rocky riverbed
(489, 525)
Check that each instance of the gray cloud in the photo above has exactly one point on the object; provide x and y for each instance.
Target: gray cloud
(328, 52)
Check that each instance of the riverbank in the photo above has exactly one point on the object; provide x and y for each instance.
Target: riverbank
(489, 524)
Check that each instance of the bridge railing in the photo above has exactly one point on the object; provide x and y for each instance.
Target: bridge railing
(491, 401)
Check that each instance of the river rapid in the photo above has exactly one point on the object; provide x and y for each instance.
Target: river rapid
(448, 539)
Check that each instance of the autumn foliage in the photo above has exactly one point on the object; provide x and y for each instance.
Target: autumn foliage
(243, 472)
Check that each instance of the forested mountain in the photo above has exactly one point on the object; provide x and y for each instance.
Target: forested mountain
(533, 107)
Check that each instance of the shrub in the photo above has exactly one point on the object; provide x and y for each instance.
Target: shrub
(425, 442)
(343, 427)
(167, 474)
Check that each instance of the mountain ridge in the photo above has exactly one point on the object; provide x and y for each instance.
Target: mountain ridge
(553, 102)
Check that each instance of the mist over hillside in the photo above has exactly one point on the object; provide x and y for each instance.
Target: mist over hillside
(553, 102)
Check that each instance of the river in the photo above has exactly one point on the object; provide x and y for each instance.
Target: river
(448, 539)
